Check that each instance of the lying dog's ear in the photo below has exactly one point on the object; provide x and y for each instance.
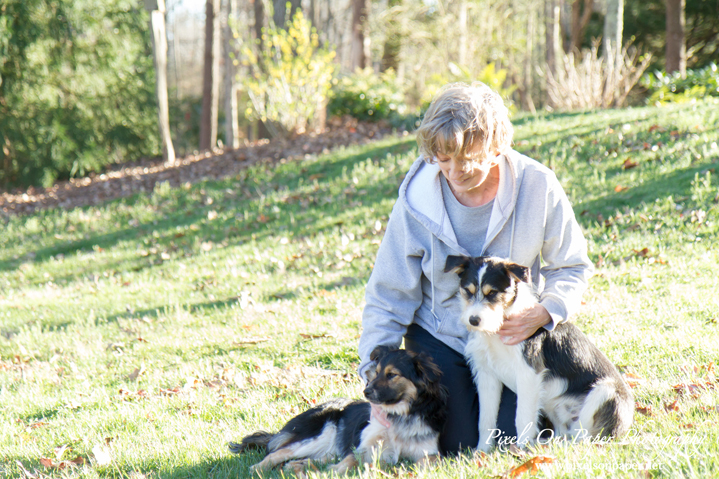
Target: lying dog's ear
(456, 264)
(426, 368)
(519, 272)
(379, 352)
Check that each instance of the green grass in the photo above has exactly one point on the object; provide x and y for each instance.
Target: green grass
(157, 328)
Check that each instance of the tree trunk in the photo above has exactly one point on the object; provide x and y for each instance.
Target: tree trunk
(580, 19)
(613, 27)
(676, 52)
(393, 43)
(280, 11)
(232, 128)
(211, 77)
(360, 34)
(553, 40)
(159, 47)
(261, 130)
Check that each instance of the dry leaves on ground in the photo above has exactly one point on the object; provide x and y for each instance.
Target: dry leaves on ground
(130, 178)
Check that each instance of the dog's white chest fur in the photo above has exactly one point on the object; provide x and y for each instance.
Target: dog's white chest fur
(414, 441)
(506, 363)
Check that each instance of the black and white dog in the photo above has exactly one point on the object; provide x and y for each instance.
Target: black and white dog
(558, 374)
(403, 419)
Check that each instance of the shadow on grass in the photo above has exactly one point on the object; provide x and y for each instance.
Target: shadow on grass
(225, 467)
(163, 234)
(676, 184)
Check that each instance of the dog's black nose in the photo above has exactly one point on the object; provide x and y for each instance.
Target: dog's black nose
(367, 392)
(474, 320)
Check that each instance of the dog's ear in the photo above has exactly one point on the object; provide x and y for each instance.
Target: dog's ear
(456, 264)
(426, 369)
(519, 272)
(379, 352)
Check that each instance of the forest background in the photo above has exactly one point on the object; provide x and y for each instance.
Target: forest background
(80, 92)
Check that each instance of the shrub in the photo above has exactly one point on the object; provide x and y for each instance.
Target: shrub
(77, 88)
(367, 96)
(290, 79)
(595, 81)
(673, 88)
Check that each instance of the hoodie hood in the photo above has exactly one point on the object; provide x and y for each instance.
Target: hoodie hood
(421, 195)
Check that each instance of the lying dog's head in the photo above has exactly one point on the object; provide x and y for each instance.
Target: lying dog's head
(488, 287)
(401, 382)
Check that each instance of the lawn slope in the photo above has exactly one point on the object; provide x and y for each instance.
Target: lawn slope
(138, 337)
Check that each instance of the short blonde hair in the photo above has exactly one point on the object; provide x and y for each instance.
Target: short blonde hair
(464, 118)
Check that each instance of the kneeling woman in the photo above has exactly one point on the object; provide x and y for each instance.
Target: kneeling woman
(470, 194)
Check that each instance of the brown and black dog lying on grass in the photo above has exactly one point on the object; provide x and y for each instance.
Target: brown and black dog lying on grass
(403, 419)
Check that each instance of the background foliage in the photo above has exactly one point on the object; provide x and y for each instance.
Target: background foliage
(78, 89)
(290, 79)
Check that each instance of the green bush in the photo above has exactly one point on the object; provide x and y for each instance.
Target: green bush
(77, 88)
(368, 96)
(672, 88)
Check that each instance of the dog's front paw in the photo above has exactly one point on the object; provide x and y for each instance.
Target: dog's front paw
(344, 465)
(484, 446)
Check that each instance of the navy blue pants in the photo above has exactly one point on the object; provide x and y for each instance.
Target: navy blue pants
(461, 429)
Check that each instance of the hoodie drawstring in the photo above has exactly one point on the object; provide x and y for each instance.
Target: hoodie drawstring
(432, 273)
(511, 237)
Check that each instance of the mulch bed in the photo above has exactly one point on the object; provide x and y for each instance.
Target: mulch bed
(141, 177)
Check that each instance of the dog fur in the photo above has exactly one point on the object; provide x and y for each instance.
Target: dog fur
(409, 413)
(558, 375)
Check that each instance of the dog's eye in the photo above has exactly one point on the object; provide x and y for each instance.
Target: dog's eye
(390, 376)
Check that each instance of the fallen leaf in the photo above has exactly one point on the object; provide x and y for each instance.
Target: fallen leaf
(629, 164)
(531, 466)
(315, 336)
(633, 380)
(620, 188)
(517, 451)
(672, 407)
(481, 460)
(136, 373)
(645, 410)
(251, 340)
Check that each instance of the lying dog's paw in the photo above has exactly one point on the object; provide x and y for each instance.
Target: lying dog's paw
(344, 465)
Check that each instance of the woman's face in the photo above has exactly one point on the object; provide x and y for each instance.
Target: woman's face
(466, 173)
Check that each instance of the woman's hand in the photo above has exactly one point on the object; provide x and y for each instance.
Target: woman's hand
(520, 326)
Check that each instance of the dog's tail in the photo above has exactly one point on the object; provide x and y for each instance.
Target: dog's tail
(257, 440)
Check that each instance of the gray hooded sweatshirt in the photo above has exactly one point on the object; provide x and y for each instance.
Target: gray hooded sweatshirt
(532, 223)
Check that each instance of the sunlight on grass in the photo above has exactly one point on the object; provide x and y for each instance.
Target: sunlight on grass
(160, 327)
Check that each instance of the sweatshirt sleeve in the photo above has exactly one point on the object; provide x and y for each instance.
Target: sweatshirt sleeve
(567, 268)
(394, 291)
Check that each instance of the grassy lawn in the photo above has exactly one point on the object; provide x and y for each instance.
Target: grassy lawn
(139, 337)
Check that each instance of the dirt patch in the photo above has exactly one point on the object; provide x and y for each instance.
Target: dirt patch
(141, 177)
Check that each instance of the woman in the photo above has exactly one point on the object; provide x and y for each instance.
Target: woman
(470, 194)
